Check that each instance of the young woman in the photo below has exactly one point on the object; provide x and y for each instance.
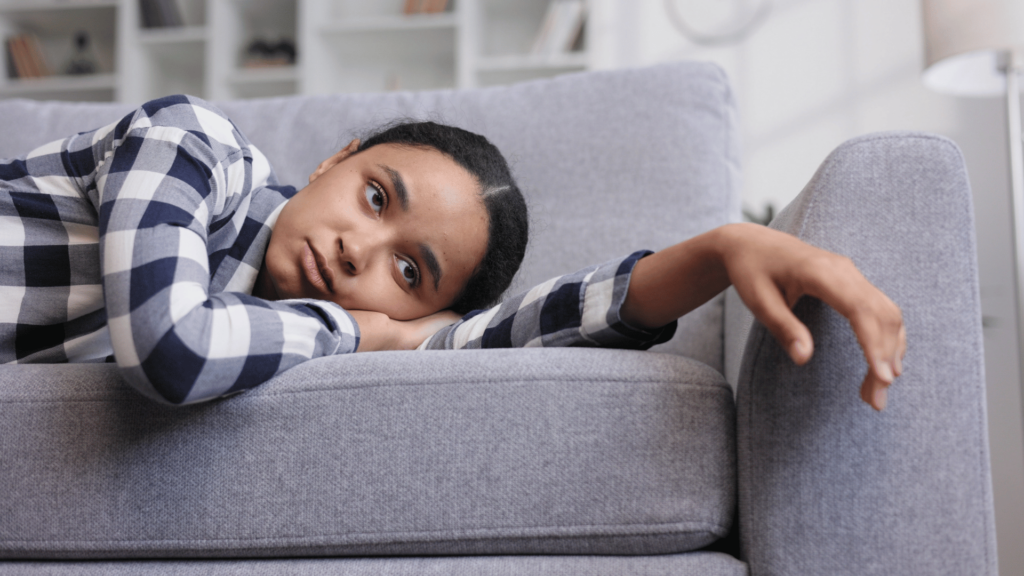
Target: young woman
(164, 242)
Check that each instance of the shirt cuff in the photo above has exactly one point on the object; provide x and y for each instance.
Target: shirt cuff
(601, 302)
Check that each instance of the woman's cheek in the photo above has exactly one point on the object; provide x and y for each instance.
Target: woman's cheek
(365, 292)
(286, 276)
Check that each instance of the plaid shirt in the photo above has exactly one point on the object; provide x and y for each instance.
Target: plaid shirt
(578, 309)
(142, 240)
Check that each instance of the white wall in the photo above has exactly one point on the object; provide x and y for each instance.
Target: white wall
(817, 73)
(981, 135)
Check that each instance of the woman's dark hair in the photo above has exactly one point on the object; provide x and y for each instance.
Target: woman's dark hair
(508, 228)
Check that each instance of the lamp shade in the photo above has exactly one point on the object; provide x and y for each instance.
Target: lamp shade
(963, 41)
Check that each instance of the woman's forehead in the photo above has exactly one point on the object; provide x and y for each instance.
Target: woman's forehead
(430, 182)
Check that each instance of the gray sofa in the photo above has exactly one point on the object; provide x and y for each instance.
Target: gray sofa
(549, 461)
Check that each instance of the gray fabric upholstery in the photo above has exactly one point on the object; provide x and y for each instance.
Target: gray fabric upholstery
(550, 451)
(828, 486)
(28, 123)
(738, 320)
(693, 564)
(571, 451)
(610, 162)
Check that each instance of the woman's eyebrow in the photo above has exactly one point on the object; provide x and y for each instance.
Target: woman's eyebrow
(430, 261)
(399, 185)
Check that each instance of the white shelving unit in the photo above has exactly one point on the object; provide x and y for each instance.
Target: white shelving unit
(154, 62)
(356, 46)
(238, 23)
(55, 24)
(342, 46)
(501, 33)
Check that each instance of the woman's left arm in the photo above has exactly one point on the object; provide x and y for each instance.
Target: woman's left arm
(633, 302)
(771, 270)
(577, 309)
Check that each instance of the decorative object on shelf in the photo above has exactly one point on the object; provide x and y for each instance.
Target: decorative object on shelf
(25, 57)
(976, 48)
(262, 53)
(561, 29)
(82, 60)
(740, 32)
(425, 6)
(160, 13)
(763, 218)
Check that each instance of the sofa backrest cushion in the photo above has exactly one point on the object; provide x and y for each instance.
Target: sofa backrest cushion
(610, 162)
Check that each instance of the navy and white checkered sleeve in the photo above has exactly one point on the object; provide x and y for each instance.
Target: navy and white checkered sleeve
(166, 172)
(578, 309)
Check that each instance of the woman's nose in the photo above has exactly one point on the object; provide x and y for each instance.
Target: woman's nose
(352, 255)
(358, 250)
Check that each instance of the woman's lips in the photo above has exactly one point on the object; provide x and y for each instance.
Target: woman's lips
(319, 276)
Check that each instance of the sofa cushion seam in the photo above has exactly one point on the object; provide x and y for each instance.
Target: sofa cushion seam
(430, 536)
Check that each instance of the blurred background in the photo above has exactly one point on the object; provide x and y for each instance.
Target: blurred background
(807, 74)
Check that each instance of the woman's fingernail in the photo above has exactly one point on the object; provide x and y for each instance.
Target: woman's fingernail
(884, 372)
(799, 349)
(880, 397)
(898, 365)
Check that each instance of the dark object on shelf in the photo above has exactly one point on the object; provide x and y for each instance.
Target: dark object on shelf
(82, 61)
(260, 53)
(764, 218)
(160, 13)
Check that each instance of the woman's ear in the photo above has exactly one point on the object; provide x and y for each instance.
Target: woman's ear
(326, 165)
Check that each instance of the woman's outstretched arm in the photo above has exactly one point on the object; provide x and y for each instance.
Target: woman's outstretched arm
(634, 302)
(771, 270)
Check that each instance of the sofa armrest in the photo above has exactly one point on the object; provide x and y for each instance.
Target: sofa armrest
(826, 484)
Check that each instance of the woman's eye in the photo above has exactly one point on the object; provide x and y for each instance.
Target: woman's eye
(409, 272)
(375, 196)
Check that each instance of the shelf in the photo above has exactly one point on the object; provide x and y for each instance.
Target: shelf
(173, 35)
(55, 84)
(392, 23)
(44, 5)
(343, 46)
(532, 62)
(264, 75)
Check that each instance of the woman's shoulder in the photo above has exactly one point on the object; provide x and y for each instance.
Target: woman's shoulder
(189, 114)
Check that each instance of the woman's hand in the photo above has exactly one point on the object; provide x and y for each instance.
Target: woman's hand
(379, 332)
(771, 270)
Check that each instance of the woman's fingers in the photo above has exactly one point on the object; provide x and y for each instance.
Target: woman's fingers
(877, 323)
(879, 328)
(772, 270)
(887, 363)
(770, 307)
(874, 391)
(875, 319)
(880, 340)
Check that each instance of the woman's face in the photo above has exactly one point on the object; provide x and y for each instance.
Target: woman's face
(392, 229)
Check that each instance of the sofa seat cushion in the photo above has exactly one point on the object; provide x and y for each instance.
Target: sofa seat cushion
(536, 451)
